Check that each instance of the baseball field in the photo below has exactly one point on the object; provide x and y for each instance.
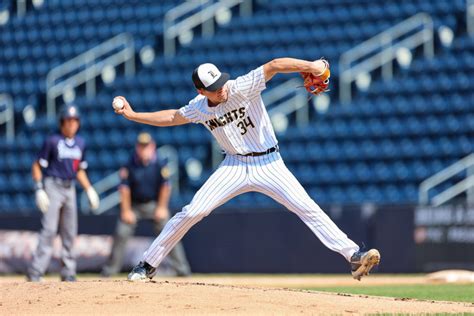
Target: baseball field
(237, 294)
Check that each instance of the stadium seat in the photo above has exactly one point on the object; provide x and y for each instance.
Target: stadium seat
(379, 148)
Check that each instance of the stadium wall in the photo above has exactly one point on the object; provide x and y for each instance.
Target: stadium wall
(262, 240)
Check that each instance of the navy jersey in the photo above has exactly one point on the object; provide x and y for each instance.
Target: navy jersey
(144, 181)
(62, 157)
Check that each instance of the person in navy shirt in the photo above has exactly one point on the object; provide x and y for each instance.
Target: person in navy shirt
(144, 194)
(59, 163)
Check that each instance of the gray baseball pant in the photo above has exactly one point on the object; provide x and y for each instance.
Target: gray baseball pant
(124, 231)
(62, 214)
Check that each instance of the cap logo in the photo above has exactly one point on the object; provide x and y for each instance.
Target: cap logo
(213, 75)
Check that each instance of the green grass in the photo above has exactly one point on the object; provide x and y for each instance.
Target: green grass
(437, 292)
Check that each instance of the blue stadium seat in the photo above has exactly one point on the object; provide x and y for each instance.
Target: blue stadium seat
(378, 148)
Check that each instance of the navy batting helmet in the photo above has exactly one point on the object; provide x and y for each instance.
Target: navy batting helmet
(69, 111)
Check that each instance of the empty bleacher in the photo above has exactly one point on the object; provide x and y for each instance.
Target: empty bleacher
(378, 148)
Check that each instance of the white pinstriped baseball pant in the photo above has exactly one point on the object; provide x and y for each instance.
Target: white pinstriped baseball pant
(236, 175)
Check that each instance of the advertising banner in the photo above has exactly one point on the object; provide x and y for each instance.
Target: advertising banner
(17, 248)
(444, 237)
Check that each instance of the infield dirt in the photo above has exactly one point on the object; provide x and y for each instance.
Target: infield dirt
(201, 295)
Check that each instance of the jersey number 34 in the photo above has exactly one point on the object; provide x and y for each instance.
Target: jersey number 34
(244, 124)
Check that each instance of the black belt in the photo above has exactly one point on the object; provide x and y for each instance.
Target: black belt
(266, 152)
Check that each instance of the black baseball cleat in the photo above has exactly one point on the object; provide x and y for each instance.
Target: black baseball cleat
(362, 262)
(142, 271)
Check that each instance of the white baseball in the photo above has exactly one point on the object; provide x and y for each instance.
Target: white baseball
(117, 104)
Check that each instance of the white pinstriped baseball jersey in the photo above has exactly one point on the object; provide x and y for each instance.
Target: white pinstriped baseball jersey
(241, 125)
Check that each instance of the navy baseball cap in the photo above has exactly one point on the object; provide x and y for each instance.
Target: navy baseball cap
(208, 77)
(69, 111)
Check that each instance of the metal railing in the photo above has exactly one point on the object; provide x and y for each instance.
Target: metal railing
(297, 103)
(83, 69)
(171, 17)
(380, 51)
(112, 181)
(108, 201)
(21, 7)
(204, 17)
(470, 17)
(466, 185)
(7, 116)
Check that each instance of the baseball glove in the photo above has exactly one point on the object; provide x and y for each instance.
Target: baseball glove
(317, 83)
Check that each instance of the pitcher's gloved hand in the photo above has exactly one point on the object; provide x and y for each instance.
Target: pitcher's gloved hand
(317, 83)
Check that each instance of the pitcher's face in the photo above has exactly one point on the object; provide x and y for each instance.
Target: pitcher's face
(219, 96)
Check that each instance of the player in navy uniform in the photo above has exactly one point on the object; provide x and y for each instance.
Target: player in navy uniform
(144, 194)
(60, 161)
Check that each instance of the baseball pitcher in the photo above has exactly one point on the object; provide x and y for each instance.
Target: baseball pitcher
(233, 111)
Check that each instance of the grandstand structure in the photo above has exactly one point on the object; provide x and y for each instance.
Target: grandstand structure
(378, 148)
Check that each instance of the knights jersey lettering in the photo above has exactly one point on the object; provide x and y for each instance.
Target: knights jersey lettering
(241, 124)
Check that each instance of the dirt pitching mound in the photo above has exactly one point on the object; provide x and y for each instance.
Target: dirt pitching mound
(451, 276)
(196, 298)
